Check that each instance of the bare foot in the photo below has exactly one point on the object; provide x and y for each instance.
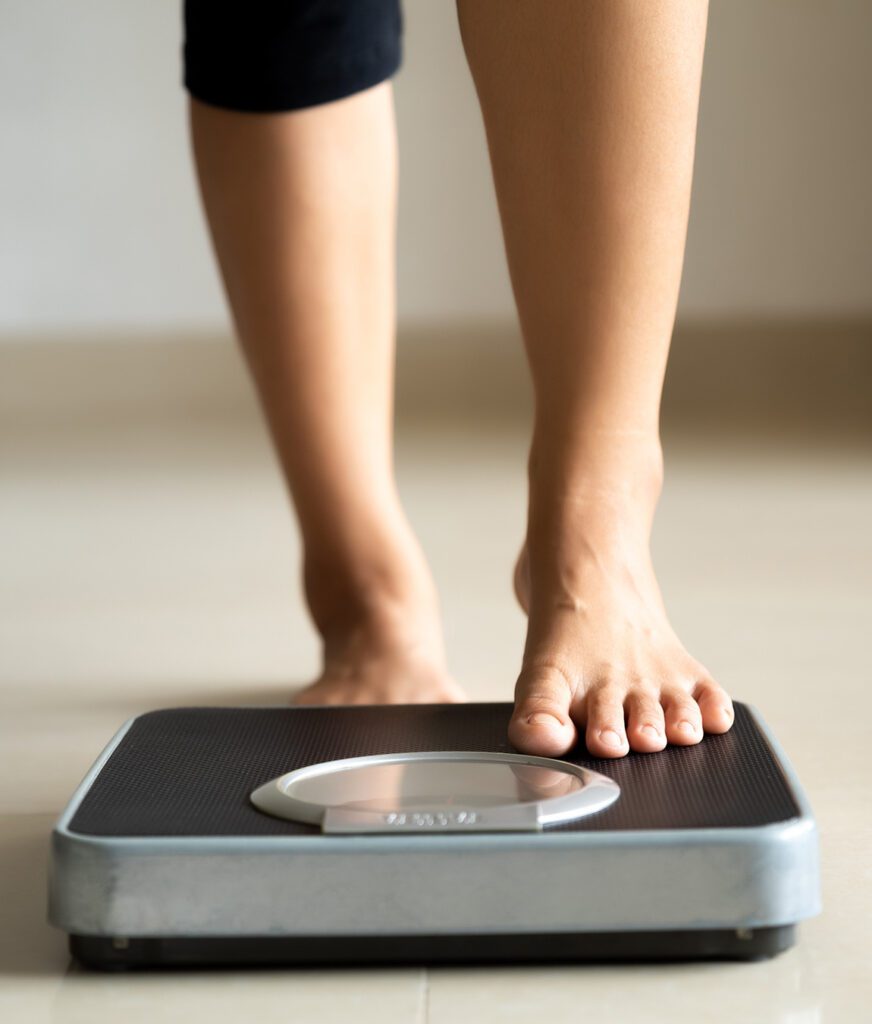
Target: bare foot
(382, 640)
(601, 656)
(379, 663)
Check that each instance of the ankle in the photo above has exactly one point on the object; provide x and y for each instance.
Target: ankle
(611, 472)
(378, 589)
(591, 510)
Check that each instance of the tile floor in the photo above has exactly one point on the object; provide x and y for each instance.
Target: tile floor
(152, 565)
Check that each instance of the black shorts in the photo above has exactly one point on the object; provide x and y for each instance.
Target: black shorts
(274, 55)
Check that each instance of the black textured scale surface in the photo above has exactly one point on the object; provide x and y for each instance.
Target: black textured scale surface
(189, 771)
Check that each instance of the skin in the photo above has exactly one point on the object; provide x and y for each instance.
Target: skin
(590, 116)
(301, 207)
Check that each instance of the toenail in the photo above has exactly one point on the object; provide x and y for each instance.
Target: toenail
(651, 730)
(688, 728)
(611, 738)
(543, 718)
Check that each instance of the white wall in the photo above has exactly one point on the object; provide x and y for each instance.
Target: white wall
(100, 224)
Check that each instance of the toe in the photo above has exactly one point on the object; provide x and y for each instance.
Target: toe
(683, 718)
(541, 723)
(715, 706)
(646, 731)
(605, 735)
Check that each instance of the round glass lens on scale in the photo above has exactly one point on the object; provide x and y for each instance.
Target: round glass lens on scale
(437, 791)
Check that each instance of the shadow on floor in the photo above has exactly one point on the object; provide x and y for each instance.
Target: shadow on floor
(28, 944)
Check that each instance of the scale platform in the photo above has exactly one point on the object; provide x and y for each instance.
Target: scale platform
(415, 834)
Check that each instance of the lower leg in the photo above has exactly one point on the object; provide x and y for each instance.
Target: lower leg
(590, 111)
(301, 207)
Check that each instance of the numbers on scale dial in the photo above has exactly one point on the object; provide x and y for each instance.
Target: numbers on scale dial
(431, 819)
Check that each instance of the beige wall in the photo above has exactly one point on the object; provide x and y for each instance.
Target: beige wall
(99, 223)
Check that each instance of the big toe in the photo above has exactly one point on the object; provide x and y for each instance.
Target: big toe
(541, 723)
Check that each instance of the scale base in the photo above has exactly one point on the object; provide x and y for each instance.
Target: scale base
(161, 859)
(113, 954)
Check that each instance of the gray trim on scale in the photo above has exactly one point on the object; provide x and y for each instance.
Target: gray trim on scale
(413, 884)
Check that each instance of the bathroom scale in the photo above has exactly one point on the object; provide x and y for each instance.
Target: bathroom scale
(208, 836)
